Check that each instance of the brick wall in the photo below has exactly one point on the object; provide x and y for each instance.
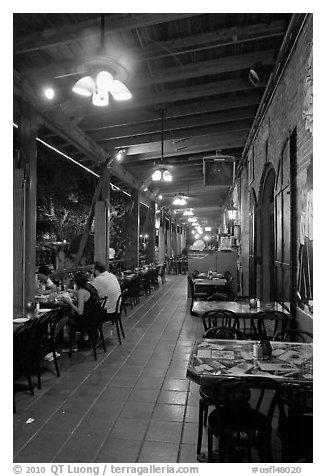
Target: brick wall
(283, 116)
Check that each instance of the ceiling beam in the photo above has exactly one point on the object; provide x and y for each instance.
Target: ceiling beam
(198, 144)
(48, 38)
(222, 65)
(97, 121)
(217, 129)
(175, 47)
(184, 93)
(143, 129)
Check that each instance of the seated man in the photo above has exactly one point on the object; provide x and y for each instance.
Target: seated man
(106, 285)
(43, 284)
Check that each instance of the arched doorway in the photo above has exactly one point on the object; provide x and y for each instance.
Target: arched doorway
(252, 243)
(266, 228)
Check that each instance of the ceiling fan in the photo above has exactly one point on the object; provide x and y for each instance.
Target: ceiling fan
(102, 77)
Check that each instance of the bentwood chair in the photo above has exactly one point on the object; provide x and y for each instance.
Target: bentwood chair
(294, 335)
(93, 328)
(221, 318)
(259, 323)
(47, 330)
(24, 352)
(116, 319)
(162, 273)
(205, 392)
(242, 418)
(295, 425)
(195, 296)
(218, 297)
(228, 333)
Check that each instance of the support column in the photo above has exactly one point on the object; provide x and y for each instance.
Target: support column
(174, 239)
(150, 230)
(102, 222)
(132, 233)
(168, 240)
(161, 245)
(28, 162)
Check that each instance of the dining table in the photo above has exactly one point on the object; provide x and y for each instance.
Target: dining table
(242, 309)
(214, 359)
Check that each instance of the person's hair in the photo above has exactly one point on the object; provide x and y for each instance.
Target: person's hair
(81, 279)
(99, 267)
(44, 270)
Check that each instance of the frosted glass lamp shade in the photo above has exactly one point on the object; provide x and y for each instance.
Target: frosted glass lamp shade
(84, 86)
(104, 81)
(167, 177)
(119, 91)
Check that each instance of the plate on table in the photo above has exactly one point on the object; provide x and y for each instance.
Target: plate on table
(20, 320)
(44, 311)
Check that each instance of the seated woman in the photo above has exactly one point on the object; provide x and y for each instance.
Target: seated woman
(86, 310)
(43, 283)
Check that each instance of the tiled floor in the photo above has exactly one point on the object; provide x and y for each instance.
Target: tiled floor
(134, 404)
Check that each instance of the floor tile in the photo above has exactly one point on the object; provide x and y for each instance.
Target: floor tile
(158, 452)
(190, 432)
(192, 414)
(116, 450)
(129, 429)
(144, 395)
(163, 411)
(134, 410)
(168, 431)
(174, 384)
(128, 381)
(169, 396)
(149, 382)
(188, 454)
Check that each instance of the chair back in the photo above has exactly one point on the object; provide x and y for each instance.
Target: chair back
(259, 322)
(218, 297)
(222, 318)
(191, 286)
(118, 306)
(293, 335)
(243, 299)
(229, 333)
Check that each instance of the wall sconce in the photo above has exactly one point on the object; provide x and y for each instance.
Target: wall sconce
(232, 213)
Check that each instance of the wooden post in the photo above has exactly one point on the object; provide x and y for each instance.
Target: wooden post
(102, 222)
(90, 217)
(150, 231)
(161, 245)
(28, 162)
(132, 232)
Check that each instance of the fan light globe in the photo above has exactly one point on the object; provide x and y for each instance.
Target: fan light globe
(167, 177)
(104, 81)
(156, 177)
(119, 91)
(85, 86)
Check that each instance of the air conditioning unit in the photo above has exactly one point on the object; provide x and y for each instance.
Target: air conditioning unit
(219, 171)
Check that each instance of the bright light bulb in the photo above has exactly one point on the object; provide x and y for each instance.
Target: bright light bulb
(100, 98)
(119, 91)
(167, 177)
(104, 81)
(49, 93)
(156, 176)
(160, 197)
(84, 86)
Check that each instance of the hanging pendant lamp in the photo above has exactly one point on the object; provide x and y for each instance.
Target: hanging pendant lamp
(161, 174)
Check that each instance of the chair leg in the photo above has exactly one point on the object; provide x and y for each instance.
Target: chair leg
(200, 425)
(102, 338)
(55, 360)
(205, 408)
(210, 446)
(122, 331)
(92, 338)
(118, 332)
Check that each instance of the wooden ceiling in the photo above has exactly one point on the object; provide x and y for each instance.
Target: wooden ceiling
(194, 67)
